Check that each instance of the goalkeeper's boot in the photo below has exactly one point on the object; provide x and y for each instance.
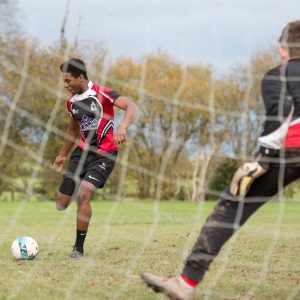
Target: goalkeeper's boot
(175, 287)
(75, 254)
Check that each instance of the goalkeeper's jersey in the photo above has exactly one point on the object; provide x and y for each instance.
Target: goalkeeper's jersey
(93, 110)
(281, 95)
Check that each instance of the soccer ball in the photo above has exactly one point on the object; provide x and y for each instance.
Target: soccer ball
(24, 248)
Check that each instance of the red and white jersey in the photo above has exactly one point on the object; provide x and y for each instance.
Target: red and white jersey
(94, 112)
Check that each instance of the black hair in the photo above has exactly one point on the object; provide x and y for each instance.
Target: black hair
(75, 66)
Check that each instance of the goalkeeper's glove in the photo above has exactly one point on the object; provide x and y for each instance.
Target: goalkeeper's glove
(244, 176)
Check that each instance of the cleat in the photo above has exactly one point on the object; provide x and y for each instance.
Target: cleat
(75, 254)
(175, 287)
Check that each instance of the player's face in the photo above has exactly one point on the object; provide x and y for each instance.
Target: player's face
(72, 84)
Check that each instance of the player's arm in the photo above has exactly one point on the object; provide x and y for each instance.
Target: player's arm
(131, 111)
(276, 109)
(279, 107)
(71, 136)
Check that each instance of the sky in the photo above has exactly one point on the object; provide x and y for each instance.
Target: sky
(221, 33)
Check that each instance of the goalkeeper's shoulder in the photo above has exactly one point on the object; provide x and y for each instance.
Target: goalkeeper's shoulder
(274, 72)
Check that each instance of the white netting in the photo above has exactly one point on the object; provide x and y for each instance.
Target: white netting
(221, 130)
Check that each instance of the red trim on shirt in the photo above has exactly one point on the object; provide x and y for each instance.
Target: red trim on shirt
(292, 139)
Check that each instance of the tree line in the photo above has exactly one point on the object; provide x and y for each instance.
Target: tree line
(193, 129)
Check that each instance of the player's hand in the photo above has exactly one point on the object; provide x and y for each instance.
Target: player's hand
(120, 135)
(244, 176)
(59, 162)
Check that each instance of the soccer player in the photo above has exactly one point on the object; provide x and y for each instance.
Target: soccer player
(276, 165)
(91, 109)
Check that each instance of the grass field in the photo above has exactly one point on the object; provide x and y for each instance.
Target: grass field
(261, 262)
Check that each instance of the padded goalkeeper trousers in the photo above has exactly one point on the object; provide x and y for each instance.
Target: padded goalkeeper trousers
(231, 213)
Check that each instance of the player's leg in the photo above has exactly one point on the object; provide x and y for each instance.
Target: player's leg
(229, 215)
(70, 182)
(84, 214)
(84, 210)
(62, 201)
(226, 218)
(100, 167)
(67, 191)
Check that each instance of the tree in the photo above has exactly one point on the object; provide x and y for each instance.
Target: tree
(167, 94)
(222, 176)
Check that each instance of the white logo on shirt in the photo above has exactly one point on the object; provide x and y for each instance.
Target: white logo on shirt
(93, 106)
(93, 178)
(102, 166)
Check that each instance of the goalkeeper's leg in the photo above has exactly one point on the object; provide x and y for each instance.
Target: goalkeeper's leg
(229, 214)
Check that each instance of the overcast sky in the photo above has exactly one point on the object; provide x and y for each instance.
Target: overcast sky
(217, 32)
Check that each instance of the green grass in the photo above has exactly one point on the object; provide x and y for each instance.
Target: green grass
(122, 242)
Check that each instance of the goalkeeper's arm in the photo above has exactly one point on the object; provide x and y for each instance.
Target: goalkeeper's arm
(279, 110)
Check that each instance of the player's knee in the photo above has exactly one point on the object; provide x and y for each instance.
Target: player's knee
(83, 199)
(60, 206)
(62, 201)
(84, 195)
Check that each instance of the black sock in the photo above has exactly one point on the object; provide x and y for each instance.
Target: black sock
(80, 237)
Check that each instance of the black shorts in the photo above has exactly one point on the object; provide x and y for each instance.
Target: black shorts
(92, 167)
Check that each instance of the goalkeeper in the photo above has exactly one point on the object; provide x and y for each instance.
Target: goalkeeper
(276, 165)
